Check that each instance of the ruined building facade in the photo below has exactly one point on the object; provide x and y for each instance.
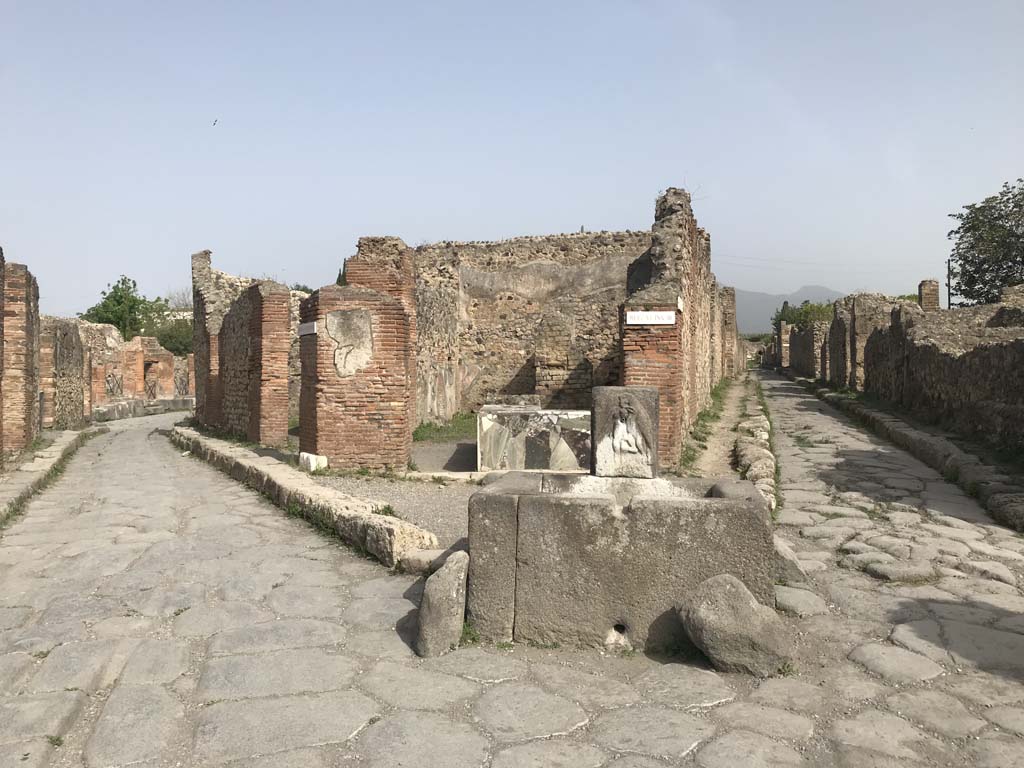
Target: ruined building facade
(420, 334)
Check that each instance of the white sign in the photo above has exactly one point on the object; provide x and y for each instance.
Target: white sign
(307, 329)
(651, 318)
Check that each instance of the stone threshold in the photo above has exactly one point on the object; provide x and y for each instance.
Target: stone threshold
(1002, 495)
(18, 485)
(361, 523)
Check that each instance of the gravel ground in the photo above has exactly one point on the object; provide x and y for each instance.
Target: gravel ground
(440, 508)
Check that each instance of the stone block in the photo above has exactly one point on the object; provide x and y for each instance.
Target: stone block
(527, 437)
(624, 432)
(591, 571)
(493, 530)
(312, 462)
(443, 607)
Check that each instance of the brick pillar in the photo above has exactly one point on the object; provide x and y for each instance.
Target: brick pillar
(270, 339)
(20, 359)
(928, 295)
(653, 356)
(357, 379)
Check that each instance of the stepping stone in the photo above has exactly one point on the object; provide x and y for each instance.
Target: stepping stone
(518, 711)
(768, 721)
(989, 570)
(138, 723)
(551, 754)
(790, 694)
(895, 665)
(799, 602)
(887, 734)
(654, 731)
(424, 740)
(937, 711)
(408, 687)
(912, 571)
(680, 685)
(750, 750)
(1010, 719)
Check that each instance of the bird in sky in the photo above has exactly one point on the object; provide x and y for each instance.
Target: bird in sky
(214, 123)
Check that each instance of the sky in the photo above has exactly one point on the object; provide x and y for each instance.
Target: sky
(823, 142)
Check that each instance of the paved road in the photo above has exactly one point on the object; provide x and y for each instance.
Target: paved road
(154, 613)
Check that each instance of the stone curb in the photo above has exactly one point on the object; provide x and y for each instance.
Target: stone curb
(19, 485)
(356, 521)
(1000, 494)
(754, 455)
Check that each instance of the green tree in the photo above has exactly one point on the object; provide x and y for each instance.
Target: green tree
(123, 307)
(804, 315)
(988, 246)
(175, 336)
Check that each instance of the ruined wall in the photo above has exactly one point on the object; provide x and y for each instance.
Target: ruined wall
(839, 344)
(961, 367)
(732, 359)
(928, 295)
(482, 308)
(213, 293)
(782, 338)
(64, 383)
(806, 347)
(358, 373)
(19, 380)
(252, 367)
(868, 312)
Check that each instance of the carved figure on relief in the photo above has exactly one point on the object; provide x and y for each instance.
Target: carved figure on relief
(351, 330)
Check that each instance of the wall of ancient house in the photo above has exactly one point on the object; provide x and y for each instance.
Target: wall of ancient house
(64, 380)
(358, 378)
(732, 359)
(252, 368)
(868, 312)
(806, 346)
(839, 344)
(482, 308)
(19, 379)
(213, 293)
(961, 367)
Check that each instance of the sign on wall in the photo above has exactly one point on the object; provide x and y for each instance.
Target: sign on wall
(307, 329)
(651, 318)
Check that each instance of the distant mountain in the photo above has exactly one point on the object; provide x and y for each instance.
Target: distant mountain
(754, 310)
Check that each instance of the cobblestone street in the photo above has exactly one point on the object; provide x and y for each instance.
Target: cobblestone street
(153, 612)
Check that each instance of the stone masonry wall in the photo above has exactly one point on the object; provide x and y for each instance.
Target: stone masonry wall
(839, 344)
(732, 360)
(961, 367)
(358, 373)
(481, 310)
(805, 349)
(868, 312)
(213, 293)
(19, 381)
(252, 367)
(63, 366)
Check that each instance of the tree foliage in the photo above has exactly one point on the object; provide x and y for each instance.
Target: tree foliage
(988, 246)
(124, 307)
(804, 315)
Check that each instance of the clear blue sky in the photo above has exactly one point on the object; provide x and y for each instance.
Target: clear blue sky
(823, 142)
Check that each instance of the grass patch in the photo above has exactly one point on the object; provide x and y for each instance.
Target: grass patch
(469, 635)
(461, 427)
(504, 645)
(803, 441)
(704, 426)
(55, 741)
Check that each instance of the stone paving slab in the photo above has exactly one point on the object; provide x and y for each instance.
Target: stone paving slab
(234, 635)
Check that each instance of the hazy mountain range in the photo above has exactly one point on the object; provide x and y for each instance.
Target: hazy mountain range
(754, 310)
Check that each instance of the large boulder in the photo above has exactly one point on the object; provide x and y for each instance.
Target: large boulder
(737, 633)
(443, 607)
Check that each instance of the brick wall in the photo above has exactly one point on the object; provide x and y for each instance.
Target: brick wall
(357, 396)
(653, 356)
(928, 295)
(252, 368)
(20, 376)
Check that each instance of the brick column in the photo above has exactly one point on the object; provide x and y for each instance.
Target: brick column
(357, 379)
(20, 358)
(270, 337)
(928, 295)
(653, 356)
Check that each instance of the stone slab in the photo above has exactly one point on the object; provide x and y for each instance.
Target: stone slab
(624, 431)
